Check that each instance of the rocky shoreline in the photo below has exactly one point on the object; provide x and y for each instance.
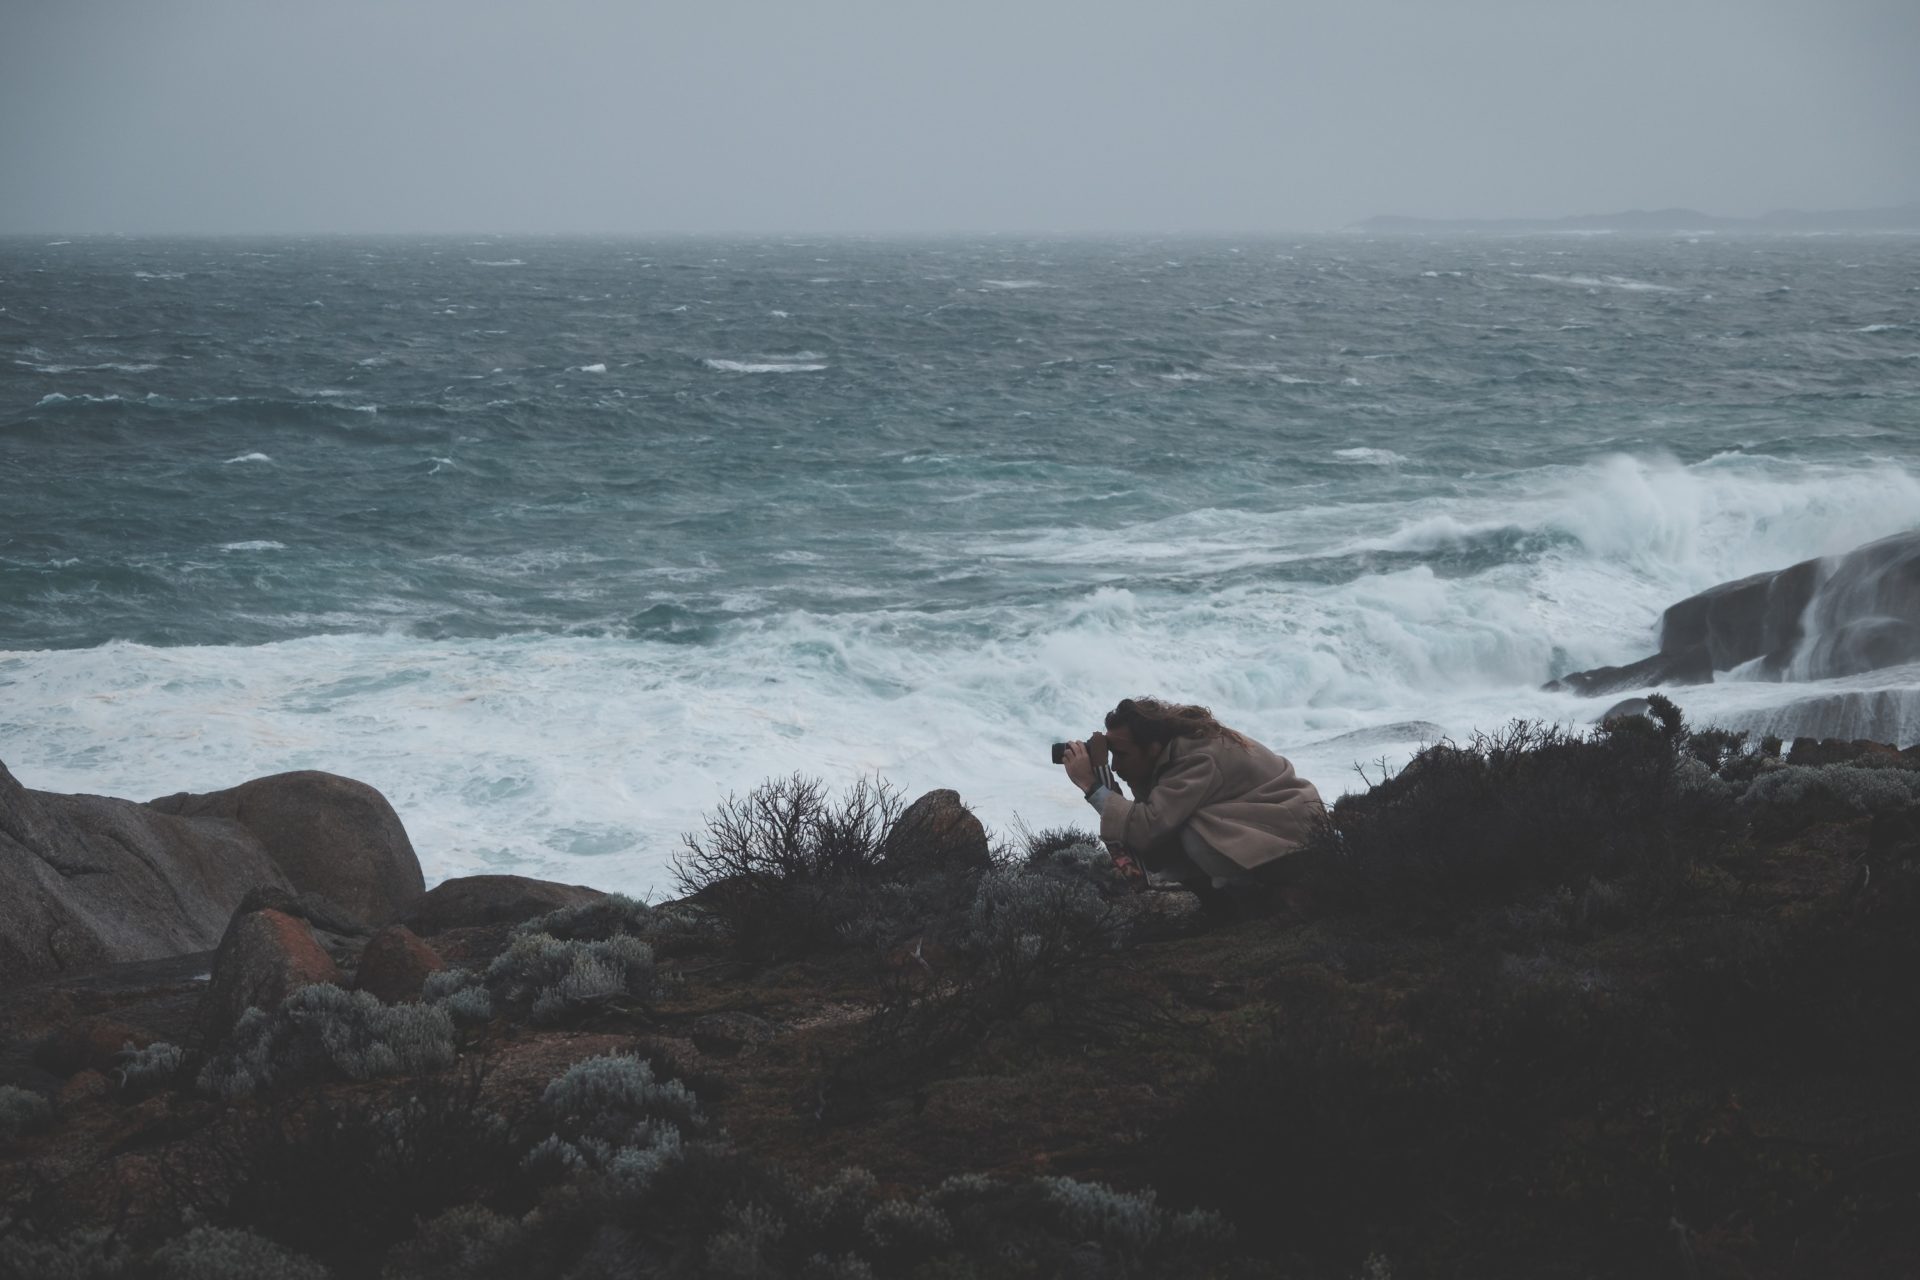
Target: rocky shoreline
(1631, 1004)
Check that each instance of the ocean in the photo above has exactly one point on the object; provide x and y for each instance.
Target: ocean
(558, 542)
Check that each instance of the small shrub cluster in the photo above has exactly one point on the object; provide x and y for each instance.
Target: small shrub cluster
(788, 868)
(22, 1112)
(672, 927)
(1509, 815)
(550, 978)
(1082, 858)
(716, 1214)
(216, 1253)
(88, 1254)
(343, 1179)
(461, 993)
(155, 1067)
(1038, 948)
(322, 1032)
(611, 1115)
(1795, 796)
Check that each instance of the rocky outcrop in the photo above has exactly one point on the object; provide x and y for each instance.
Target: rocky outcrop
(329, 835)
(1834, 616)
(395, 965)
(88, 881)
(936, 833)
(479, 900)
(265, 957)
(1689, 666)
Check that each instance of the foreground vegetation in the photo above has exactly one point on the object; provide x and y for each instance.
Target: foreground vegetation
(1627, 1004)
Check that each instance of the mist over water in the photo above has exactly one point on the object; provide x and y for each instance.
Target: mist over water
(559, 541)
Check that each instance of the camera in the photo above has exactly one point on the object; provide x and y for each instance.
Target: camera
(1096, 748)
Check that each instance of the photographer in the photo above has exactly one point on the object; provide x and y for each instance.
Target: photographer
(1212, 808)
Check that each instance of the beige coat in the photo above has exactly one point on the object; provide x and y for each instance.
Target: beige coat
(1245, 802)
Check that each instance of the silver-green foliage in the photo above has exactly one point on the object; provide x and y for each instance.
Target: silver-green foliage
(550, 976)
(738, 1250)
(1085, 860)
(214, 1253)
(94, 1254)
(462, 1242)
(617, 914)
(894, 1227)
(1021, 916)
(462, 993)
(320, 1031)
(153, 1067)
(1863, 789)
(611, 1114)
(1128, 1223)
(22, 1111)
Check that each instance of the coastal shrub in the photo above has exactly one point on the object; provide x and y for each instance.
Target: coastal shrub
(593, 921)
(216, 1253)
(1035, 950)
(22, 1112)
(154, 1067)
(1792, 797)
(462, 993)
(610, 1114)
(88, 1254)
(321, 1032)
(1510, 814)
(784, 865)
(549, 978)
(342, 1179)
(1040, 845)
(459, 1244)
(673, 926)
(1086, 860)
(716, 1212)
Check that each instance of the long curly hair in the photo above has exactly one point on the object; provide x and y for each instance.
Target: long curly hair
(1154, 722)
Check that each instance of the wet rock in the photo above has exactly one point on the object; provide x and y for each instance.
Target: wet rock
(395, 965)
(88, 881)
(264, 958)
(935, 834)
(328, 835)
(1819, 751)
(1691, 665)
(479, 900)
(1816, 620)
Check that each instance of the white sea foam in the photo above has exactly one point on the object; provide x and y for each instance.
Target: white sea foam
(246, 457)
(55, 397)
(503, 262)
(761, 366)
(114, 365)
(256, 545)
(1370, 457)
(1878, 328)
(159, 275)
(583, 759)
(1016, 284)
(593, 368)
(1603, 282)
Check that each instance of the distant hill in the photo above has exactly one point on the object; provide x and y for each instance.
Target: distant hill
(1905, 217)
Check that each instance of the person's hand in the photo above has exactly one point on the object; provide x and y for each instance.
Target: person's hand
(1079, 765)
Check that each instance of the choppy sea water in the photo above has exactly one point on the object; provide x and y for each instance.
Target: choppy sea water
(557, 542)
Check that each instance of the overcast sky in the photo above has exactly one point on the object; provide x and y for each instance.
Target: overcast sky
(970, 115)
